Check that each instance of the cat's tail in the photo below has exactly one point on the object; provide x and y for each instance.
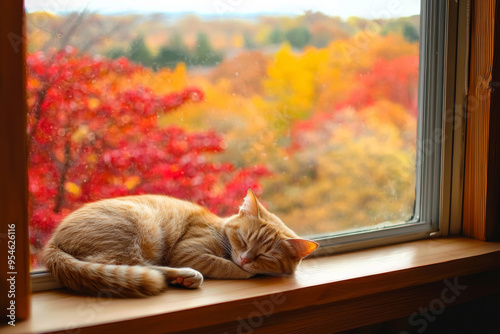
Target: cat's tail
(102, 280)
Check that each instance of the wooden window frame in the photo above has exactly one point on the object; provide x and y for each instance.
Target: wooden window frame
(481, 215)
(13, 157)
(481, 191)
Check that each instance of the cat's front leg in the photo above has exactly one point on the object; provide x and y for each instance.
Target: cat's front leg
(217, 267)
(184, 277)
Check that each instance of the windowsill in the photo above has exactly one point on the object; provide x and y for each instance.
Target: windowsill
(319, 281)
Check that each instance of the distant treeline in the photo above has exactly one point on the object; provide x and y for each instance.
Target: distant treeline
(158, 40)
(171, 54)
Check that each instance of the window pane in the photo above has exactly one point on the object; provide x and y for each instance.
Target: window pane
(312, 104)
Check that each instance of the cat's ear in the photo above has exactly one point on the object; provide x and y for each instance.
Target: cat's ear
(250, 204)
(301, 247)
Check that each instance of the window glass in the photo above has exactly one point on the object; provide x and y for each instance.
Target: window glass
(312, 104)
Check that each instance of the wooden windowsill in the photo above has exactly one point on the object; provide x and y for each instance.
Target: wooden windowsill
(319, 281)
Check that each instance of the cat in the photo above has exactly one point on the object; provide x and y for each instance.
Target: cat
(137, 245)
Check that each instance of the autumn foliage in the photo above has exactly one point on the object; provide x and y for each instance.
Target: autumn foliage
(91, 136)
(336, 126)
(324, 131)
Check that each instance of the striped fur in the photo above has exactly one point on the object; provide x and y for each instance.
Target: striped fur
(137, 245)
(103, 279)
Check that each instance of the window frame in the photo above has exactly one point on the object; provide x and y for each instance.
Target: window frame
(13, 153)
(455, 116)
(434, 36)
(361, 306)
(434, 57)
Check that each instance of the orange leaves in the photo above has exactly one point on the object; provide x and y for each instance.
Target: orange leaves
(244, 73)
(73, 188)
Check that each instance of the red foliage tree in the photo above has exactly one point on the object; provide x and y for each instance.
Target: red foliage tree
(92, 137)
(395, 80)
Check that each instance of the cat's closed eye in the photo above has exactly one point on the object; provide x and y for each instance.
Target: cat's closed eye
(264, 257)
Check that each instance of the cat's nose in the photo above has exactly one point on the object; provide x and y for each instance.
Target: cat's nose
(244, 260)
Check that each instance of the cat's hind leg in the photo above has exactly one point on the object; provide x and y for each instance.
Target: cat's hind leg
(184, 277)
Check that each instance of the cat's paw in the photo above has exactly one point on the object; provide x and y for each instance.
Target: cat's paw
(249, 275)
(240, 273)
(187, 278)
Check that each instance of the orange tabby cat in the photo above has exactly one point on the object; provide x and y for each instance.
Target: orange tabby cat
(136, 245)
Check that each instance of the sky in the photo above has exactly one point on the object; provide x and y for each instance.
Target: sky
(370, 9)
